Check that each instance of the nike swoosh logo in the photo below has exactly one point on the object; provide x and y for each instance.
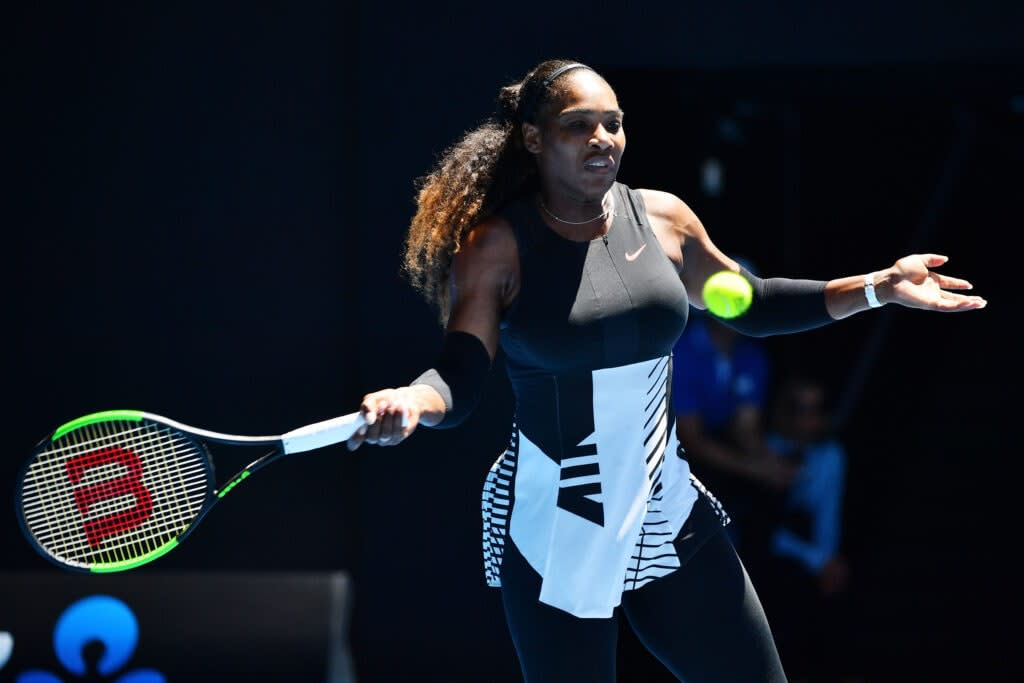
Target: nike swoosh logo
(632, 257)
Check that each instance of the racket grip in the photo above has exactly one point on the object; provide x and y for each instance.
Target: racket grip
(320, 434)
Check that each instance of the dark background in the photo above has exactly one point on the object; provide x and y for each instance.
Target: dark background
(204, 214)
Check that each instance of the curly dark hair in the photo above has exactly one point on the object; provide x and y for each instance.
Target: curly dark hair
(475, 178)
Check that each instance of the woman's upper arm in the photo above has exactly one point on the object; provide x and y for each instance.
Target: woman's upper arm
(688, 242)
(484, 281)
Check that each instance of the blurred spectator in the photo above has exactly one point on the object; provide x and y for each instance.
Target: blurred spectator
(804, 581)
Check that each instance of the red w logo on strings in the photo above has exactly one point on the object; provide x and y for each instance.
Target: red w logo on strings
(128, 484)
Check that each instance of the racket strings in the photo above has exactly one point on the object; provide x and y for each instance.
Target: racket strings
(60, 536)
(102, 475)
(111, 492)
(119, 548)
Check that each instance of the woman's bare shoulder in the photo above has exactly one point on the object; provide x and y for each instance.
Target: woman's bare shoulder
(488, 253)
(491, 235)
(667, 207)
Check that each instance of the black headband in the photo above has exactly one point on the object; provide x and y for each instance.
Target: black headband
(527, 105)
(561, 70)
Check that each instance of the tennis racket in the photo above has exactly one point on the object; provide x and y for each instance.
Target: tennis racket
(114, 490)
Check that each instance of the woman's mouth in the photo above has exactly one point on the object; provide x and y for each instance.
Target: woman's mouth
(598, 165)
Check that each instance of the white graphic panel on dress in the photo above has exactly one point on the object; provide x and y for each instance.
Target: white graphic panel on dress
(584, 564)
(496, 504)
(654, 554)
(535, 492)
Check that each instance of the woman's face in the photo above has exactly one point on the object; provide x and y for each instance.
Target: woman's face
(579, 142)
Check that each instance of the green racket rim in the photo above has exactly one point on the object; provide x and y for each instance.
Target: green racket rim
(103, 416)
(111, 567)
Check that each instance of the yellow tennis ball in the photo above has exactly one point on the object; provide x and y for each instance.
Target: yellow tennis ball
(727, 294)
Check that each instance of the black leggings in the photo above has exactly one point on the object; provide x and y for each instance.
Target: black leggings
(704, 621)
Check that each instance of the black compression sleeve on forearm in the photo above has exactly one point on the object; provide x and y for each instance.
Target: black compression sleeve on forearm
(782, 306)
(458, 375)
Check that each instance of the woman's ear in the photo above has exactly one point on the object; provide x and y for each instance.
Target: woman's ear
(531, 138)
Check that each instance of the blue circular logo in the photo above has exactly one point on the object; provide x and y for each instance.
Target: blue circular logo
(98, 618)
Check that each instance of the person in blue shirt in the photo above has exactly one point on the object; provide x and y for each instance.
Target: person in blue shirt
(810, 533)
(806, 577)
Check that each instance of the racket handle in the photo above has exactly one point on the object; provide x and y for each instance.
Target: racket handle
(320, 434)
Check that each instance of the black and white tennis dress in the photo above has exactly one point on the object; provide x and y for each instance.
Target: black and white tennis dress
(591, 489)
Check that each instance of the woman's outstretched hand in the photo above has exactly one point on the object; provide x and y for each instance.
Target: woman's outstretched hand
(912, 283)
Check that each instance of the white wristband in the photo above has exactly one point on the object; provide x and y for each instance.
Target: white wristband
(869, 291)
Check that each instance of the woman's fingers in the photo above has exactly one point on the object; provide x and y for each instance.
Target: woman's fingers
(949, 282)
(389, 419)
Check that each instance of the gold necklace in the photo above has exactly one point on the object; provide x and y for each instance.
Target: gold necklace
(600, 216)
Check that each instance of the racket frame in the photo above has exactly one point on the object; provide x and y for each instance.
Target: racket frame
(305, 438)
